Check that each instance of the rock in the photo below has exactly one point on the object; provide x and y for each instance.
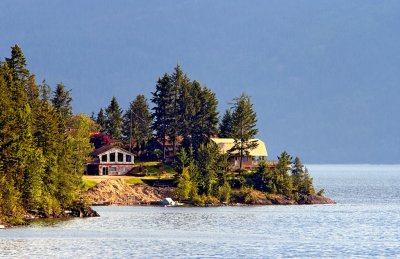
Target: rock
(279, 199)
(2, 227)
(315, 199)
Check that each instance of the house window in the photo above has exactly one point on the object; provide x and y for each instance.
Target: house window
(123, 169)
(128, 158)
(113, 169)
(120, 157)
(112, 157)
(105, 170)
(104, 158)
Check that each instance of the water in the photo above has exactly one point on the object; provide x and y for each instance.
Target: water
(364, 223)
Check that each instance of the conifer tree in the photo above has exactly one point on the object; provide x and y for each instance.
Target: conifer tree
(62, 103)
(17, 64)
(225, 127)
(162, 110)
(114, 119)
(101, 120)
(137, 122)
(244, 122)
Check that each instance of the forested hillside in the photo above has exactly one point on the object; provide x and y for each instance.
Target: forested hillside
(43, 145)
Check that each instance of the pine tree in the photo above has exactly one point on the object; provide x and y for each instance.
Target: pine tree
(226, 127)
(101, 120)
(162, 110)
(114, 119)
(17, 64)
(62, 103)
(137, 122)
(244, 122)
(205, 122)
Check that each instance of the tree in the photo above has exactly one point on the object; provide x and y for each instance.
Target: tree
(101, 120)
(62, 103)
(206, 119)
(162, 110)
(17, 64)
(244, 122)
(114, 119)
(99, 140)
(211, 166)
(226, 127)
(137, 122)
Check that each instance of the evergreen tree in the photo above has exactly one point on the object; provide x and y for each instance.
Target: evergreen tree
(210, 167)
(114, 120)
(244, 122)
(137, 122)
(101, 120)
(205, 122)
(178, 82)
(162, 110)
(17, 64)
(226, 127)
(62, 103)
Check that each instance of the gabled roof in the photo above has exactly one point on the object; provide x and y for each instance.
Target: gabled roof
(225, 144)
(104, 149)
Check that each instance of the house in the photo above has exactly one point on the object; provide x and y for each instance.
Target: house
(250, 161)
(110, 160)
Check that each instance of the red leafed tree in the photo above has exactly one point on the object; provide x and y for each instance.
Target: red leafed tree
(100, 139)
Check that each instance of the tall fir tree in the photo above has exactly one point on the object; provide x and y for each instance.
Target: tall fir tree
(244, 120)
(114, 120)
(62, 103)
(162, 110)
(225, 127)
(137, 122)
(17, 64)
(101, 120)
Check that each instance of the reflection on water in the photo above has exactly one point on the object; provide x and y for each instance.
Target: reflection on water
(363, 224)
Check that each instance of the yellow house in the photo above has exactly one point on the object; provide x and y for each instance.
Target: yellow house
(250, 161)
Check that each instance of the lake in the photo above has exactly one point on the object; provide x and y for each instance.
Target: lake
(364, 223)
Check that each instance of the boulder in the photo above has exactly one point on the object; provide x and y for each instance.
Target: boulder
(315, 199)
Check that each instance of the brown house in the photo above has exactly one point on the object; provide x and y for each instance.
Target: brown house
(110, 160)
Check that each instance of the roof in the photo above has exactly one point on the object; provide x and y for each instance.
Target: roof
(225, 144)
(104, 149)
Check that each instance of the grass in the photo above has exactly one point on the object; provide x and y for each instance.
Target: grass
(86, 184)
(134, 180)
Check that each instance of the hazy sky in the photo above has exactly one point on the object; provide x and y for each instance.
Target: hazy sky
(324, 76)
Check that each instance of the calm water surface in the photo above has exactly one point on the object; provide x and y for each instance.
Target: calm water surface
(364, 223)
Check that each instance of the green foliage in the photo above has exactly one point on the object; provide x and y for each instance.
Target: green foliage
(40, 162)
(185, 189)
(62, 103)
(244, 120)
(226, 125)
(114, 120)
(87, 184)
(224, 192)
(101, 120)
(137, 122)
(184, 108)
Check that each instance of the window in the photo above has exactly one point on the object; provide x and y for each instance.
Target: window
(113, 169)
(104, 158)
(105, 170)
(112, 157)
(128, 158)
(120, 157)
(123, 169)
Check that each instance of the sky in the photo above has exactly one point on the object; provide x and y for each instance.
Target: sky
(324, 76)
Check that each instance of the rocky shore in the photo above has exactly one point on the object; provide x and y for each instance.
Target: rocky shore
(117, 192)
